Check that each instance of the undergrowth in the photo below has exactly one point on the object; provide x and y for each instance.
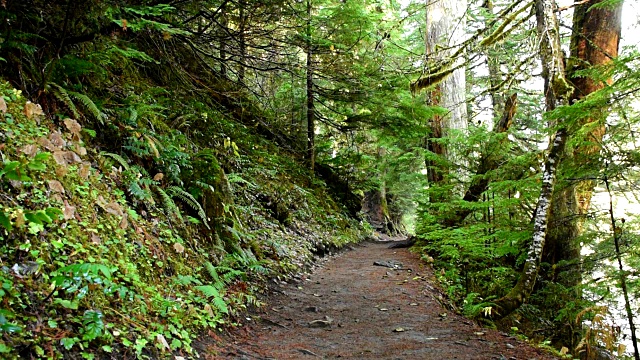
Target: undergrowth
(129, 251)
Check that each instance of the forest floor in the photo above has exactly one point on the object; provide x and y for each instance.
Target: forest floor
(349, 308)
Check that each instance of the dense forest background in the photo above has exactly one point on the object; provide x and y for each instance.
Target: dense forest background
(161, 160)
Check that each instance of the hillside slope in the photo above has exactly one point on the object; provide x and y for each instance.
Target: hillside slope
(109, 255)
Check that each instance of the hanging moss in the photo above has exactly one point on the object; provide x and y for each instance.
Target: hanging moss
(500, 33)
(431, 79)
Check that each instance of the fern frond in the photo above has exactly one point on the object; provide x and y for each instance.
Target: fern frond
(141, 170)
(133, 117)
(220, 304)
(140, 193)
(61, 94)
(209, 290)
(204, 186)
(211, 270)
(169, 205)
(191, 201)
(187, 280)
(153, 144)
(118, 158)
(146, 182)
(89, 105)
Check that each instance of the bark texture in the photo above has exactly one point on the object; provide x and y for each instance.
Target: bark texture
(445, 23)
(595, 39)
(445, 27)
(376, 210)
(594, 42)
(523, 288)
(557, 90)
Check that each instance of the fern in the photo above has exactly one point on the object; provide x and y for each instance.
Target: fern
(168, 203)
(89, 105)
(117, 158)
(209, 290)
(218, 301)
(191, 201)
(134, 116)
(139, 192)
(152, 144)
(141, 172)
(61, 94)
(228, 274)
(204, 186)
(211, 270)
(187, 280)
(220, 304)
(216, 289)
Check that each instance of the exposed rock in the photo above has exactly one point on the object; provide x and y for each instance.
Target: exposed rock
(393, 264)
(322, 323)
(409, 242)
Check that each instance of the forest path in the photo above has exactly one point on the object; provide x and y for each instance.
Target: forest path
(347, 308)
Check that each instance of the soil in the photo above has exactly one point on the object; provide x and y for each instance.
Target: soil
(348, 308)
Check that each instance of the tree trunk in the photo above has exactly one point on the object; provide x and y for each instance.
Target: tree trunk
(445, 22)
(224, 23)
(375, 204)
(523, 288)
(594, 42)
(376, 209)
(495, 74)
(242, 39)
(446, 27)
(557, 90)
(488, 162)
(311, 132)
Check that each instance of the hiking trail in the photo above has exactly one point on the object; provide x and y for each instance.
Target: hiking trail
(349, 308)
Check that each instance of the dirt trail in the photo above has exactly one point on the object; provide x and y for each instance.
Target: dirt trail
(350, 309)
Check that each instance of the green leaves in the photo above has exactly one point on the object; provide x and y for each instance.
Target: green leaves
(16, 170)
(5, 325)
(84, 270)
(68, 343)
(5, 221)
(39, 217)
(12, 171)
(92, 320)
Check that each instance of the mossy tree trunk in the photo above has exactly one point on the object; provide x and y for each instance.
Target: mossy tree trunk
(217, 201)
(489, 161)
(557, 90)
(594, 43)
(311, 128)
(495, 74)
(445, 25)
(376, 209)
